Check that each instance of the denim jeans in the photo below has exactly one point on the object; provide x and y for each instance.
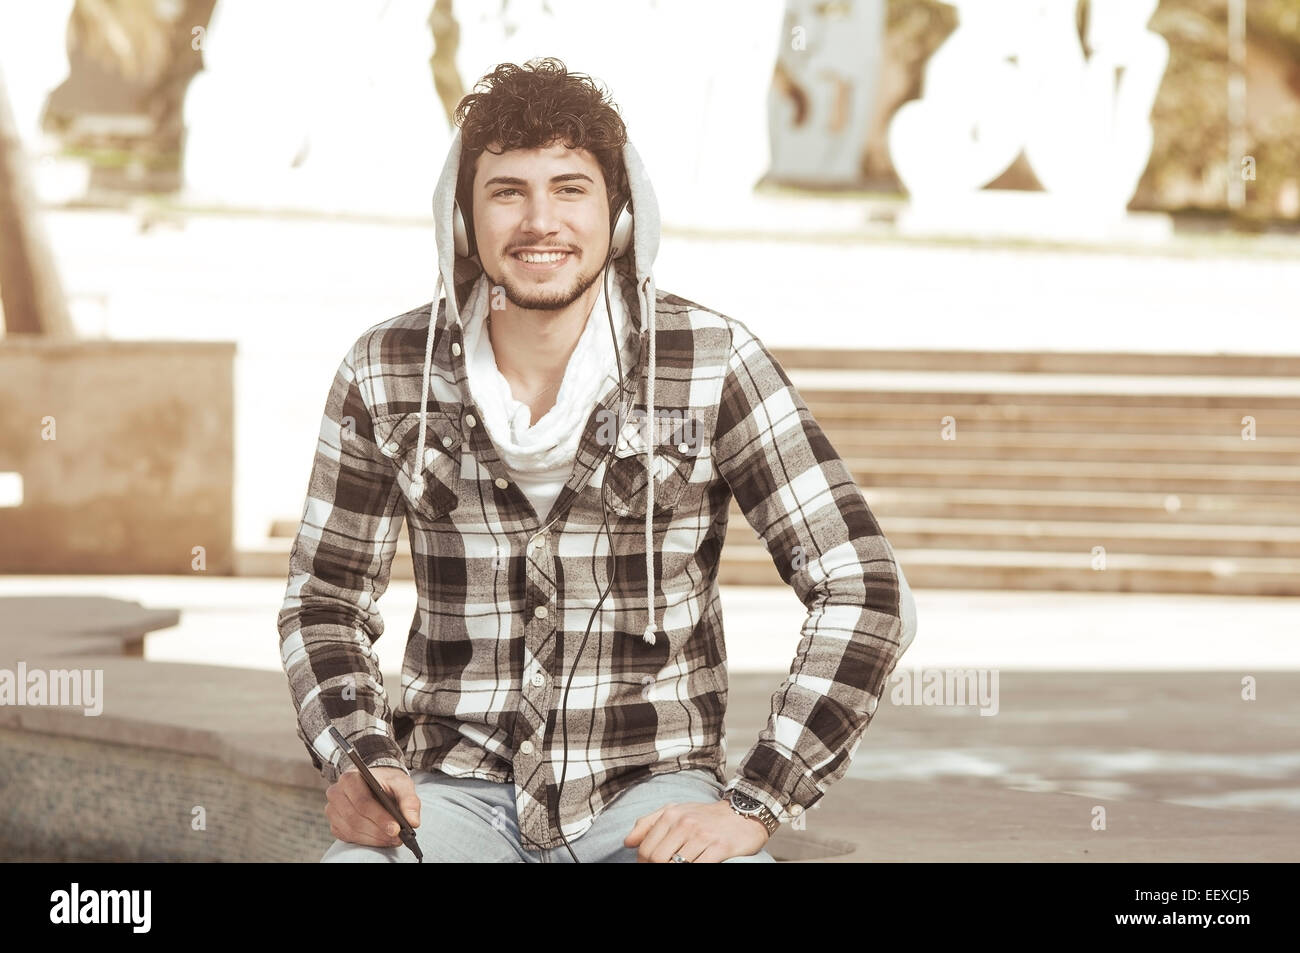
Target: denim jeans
(469, 820)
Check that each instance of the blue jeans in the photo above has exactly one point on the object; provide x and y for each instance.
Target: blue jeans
(469, 820)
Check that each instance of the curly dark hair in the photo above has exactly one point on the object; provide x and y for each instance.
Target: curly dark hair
(532, 106)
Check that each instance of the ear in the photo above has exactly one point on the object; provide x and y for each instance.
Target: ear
(464, 238)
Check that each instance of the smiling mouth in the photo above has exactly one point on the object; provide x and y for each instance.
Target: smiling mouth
(541, 261)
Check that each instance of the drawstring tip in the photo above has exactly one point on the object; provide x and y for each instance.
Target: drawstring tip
(649, 635)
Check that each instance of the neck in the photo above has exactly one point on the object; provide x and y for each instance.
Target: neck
(533, 347)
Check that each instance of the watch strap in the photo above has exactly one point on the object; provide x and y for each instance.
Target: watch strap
(763, 815)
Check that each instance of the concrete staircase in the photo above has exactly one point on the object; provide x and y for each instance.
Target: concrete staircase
(1057, 454)
(1070, 471)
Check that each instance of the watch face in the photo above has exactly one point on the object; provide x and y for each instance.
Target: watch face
(745, 803)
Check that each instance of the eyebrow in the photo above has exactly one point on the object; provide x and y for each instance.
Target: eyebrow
(512, 180)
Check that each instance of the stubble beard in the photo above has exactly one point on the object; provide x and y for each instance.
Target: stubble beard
(535, 298)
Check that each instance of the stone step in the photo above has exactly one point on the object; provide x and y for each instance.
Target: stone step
(1101, 507)
(749, 563)
(1039, 362)
(1182, 539)
(1038, 505)
(986, 569)
(1083, 420)
(1116, 390)
(1238, 479)
(1101, 447)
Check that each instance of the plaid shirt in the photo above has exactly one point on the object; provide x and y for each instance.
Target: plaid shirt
(504, 597)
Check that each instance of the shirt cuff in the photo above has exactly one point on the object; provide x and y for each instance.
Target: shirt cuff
(376, 750)
(785, 788)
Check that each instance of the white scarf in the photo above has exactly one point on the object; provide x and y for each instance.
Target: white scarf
(552, 443)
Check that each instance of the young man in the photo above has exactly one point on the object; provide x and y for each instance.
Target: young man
(565, 680)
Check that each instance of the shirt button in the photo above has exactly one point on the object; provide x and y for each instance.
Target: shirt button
(540, 612)
(390, 447)
(446, 441)
(683, 448)
(469, 420)
(526, 747)
(501, 484)
(455, 348)
(796, 809)
(538, 679)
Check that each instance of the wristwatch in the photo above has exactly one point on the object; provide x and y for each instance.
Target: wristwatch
(746, 806)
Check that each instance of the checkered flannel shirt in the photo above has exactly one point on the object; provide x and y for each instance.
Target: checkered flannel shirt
(505, 596)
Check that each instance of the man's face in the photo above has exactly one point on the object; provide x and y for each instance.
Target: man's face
(541, 200)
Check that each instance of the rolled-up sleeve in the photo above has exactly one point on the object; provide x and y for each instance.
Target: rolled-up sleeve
(338, 568)
(801, 500)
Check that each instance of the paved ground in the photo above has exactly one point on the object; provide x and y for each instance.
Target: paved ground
(231, 621)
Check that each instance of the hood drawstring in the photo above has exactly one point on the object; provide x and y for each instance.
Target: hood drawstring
(648, 295)
(417, 485)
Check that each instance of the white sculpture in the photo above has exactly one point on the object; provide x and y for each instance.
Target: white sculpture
(34, 54)
(1094, 140)
(34, 59)
(1013, 77)
(688, 81)
(326, 104)
(329, 104)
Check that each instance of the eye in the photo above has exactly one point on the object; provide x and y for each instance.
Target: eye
(503, 192)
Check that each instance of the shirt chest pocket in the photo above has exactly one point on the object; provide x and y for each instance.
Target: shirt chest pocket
(397, 436)
(677, 451)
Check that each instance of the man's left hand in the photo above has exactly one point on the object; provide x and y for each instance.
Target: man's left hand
(702, 833)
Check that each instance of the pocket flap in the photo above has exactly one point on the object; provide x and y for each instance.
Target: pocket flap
(678, 433)
(396, 435)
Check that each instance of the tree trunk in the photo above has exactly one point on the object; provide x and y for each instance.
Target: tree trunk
(446, 37)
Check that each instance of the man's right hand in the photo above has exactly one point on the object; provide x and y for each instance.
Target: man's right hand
(356, 817)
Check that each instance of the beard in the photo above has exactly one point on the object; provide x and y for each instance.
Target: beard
(533, 296)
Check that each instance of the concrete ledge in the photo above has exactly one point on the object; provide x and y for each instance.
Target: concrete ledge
(71, 799)
(72, 624)
(242, 719)
(125, 453)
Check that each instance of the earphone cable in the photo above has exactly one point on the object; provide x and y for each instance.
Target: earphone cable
(609, 574)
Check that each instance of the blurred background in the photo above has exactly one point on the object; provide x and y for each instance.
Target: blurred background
(1032, 264)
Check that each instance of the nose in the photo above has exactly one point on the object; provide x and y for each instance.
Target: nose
(540, 217)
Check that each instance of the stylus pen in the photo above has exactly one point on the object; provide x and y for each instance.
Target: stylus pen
(383, 797)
